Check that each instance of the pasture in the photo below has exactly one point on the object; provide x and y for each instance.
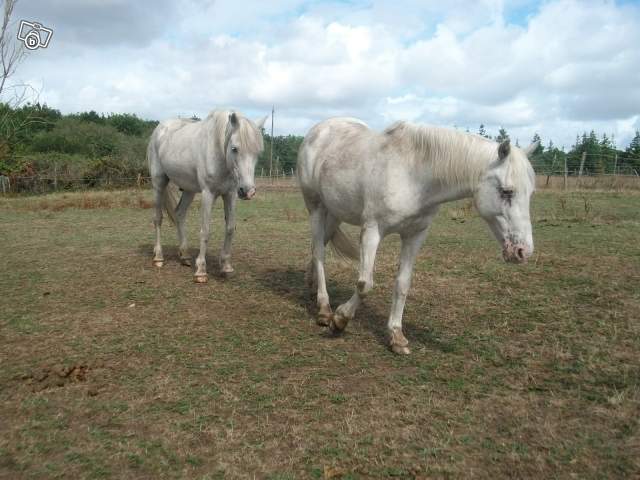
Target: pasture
(112, 368)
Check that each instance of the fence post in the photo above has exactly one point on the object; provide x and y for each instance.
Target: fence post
(566, 172)
(550, 172)
(584, 157)
(3, 181)
(55, 177)
(615, 165)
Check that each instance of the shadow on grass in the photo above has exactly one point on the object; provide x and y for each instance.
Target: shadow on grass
(171, 255)
(291, 284)
(427, 337)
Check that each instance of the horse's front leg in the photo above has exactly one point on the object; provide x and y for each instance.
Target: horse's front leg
(409, 251)
(369, 240)
(229, 200)
(181, 216)
(201, 264)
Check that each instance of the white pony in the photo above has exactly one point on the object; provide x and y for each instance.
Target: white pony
(395, 182)
(216, 156)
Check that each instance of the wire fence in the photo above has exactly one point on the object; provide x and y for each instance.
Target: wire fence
(569, 174)
(43, 184)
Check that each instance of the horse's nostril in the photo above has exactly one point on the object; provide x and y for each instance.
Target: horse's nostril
(520, 253)
(241, 192)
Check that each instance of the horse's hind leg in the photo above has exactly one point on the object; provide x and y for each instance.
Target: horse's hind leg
(318, 218)
(159, 186)
(330, 226)
(369, 240)
(181, 216)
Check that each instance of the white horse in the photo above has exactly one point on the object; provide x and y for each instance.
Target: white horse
(216, 156)
(395, 182)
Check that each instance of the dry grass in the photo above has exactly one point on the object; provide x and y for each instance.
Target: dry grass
(114, 369)
(89, 200)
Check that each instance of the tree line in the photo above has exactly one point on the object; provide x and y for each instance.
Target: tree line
(38, 140)
(591, 154)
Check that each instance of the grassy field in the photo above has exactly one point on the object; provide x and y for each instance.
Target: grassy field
(111, 368)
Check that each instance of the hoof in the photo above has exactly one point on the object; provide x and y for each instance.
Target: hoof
(324, 315)
(185, 261)
(228, 273)
(398, 342)
(338, 322)
(158, 263)
(400, 350)
(324, 320)
(201, 278)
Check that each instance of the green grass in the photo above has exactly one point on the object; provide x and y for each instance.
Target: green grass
(515, 372)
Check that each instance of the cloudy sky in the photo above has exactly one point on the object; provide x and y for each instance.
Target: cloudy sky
(556, 67)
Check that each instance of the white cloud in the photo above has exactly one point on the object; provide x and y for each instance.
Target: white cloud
(567, 67)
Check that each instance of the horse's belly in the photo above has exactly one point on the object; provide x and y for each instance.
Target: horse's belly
(344, 201)
(346, 210)
(186, 179)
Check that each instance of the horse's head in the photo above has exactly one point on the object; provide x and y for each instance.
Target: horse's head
(244, 144)
(502, 199)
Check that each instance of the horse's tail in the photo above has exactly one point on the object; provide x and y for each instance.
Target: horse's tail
(343, 246)
(170, 203)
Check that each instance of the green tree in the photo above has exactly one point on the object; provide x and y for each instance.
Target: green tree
(482, 132)
(285, 153)
(92, 117)
(502, 135)
(539, 149)
(632, 153)
(126, 123)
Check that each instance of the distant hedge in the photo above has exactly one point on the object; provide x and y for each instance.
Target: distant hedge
(39, 139)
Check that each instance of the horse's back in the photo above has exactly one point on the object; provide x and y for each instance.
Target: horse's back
(174, 150)
(165, 131)
(333, 139)
(330, 165)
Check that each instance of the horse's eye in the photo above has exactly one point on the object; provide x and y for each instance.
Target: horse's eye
(234, 149)
(506, 193)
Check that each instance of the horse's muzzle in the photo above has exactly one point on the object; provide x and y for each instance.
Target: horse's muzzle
(516, 253)
(246, 194)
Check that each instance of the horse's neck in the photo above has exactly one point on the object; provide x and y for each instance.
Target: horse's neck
(454, 171)
(439, 193)
(215, 161)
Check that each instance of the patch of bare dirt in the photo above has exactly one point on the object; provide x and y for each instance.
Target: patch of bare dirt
(60, 375)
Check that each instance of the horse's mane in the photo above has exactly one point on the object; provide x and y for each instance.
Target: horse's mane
(458, 158)
(250, 137)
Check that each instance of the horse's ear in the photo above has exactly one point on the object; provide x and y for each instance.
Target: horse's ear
(504, 149)
(532, 148)
(260, 123)
(233, 120)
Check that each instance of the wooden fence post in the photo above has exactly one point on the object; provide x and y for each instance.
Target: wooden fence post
(584, 157)
(55, 176)
(553, 164)
(566, 172)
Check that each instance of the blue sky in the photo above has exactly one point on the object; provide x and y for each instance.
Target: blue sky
(557, 67)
